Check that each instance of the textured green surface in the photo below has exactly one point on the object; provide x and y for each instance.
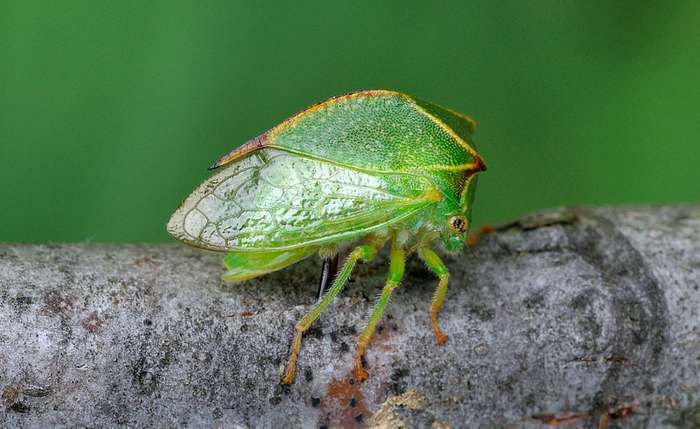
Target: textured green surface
(374, 130)
(110, 112)
(274, 200)
(337, 171)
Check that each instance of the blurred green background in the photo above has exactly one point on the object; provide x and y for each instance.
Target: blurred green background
(110, 112)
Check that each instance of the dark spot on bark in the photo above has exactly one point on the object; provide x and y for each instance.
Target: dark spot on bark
(308, 375)
(590, 326)
(57, 303)
(146, 372)
(146, 381)
(348, 330)
(530, 400)
(481, 312)
(37, 392)
(358, 418)
(315, 331)
(536, 300)
(20, 407)
(23, 302)
(344, 347)
(147, 322)
(399, 373)
(581, 301)
(509, 383)
(167, 359)
(249, 384)
(244, 328)
(396, 383)
(280, 390)
(9, 394)
(92, 323)
(315, 402)
(334, 406)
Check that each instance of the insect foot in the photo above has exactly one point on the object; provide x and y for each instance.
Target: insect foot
(439, 336)
(360, 374)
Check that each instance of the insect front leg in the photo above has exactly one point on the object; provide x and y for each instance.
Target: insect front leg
(365, 252)
(433, 261)
(396, 270)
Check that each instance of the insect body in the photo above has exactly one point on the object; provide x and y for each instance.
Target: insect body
(379, 167)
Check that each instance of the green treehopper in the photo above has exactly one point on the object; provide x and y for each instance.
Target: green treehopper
(361, 170)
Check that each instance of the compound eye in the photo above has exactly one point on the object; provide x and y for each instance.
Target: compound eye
(458, 224)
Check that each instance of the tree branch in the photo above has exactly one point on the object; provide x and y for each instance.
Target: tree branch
(579, 317)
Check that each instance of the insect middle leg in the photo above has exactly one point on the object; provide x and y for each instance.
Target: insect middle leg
(435, 264)
(396, 270)
(365, 252)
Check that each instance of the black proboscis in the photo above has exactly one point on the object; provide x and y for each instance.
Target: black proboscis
(328, 273)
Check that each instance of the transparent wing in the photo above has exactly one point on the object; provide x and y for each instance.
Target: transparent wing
(274, 200)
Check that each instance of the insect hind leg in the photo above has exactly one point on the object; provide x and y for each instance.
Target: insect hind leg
(365, 252)
(396, 271)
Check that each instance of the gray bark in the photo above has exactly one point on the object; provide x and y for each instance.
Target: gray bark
(585, 316)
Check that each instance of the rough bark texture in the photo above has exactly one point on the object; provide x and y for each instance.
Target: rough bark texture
(579, 317)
